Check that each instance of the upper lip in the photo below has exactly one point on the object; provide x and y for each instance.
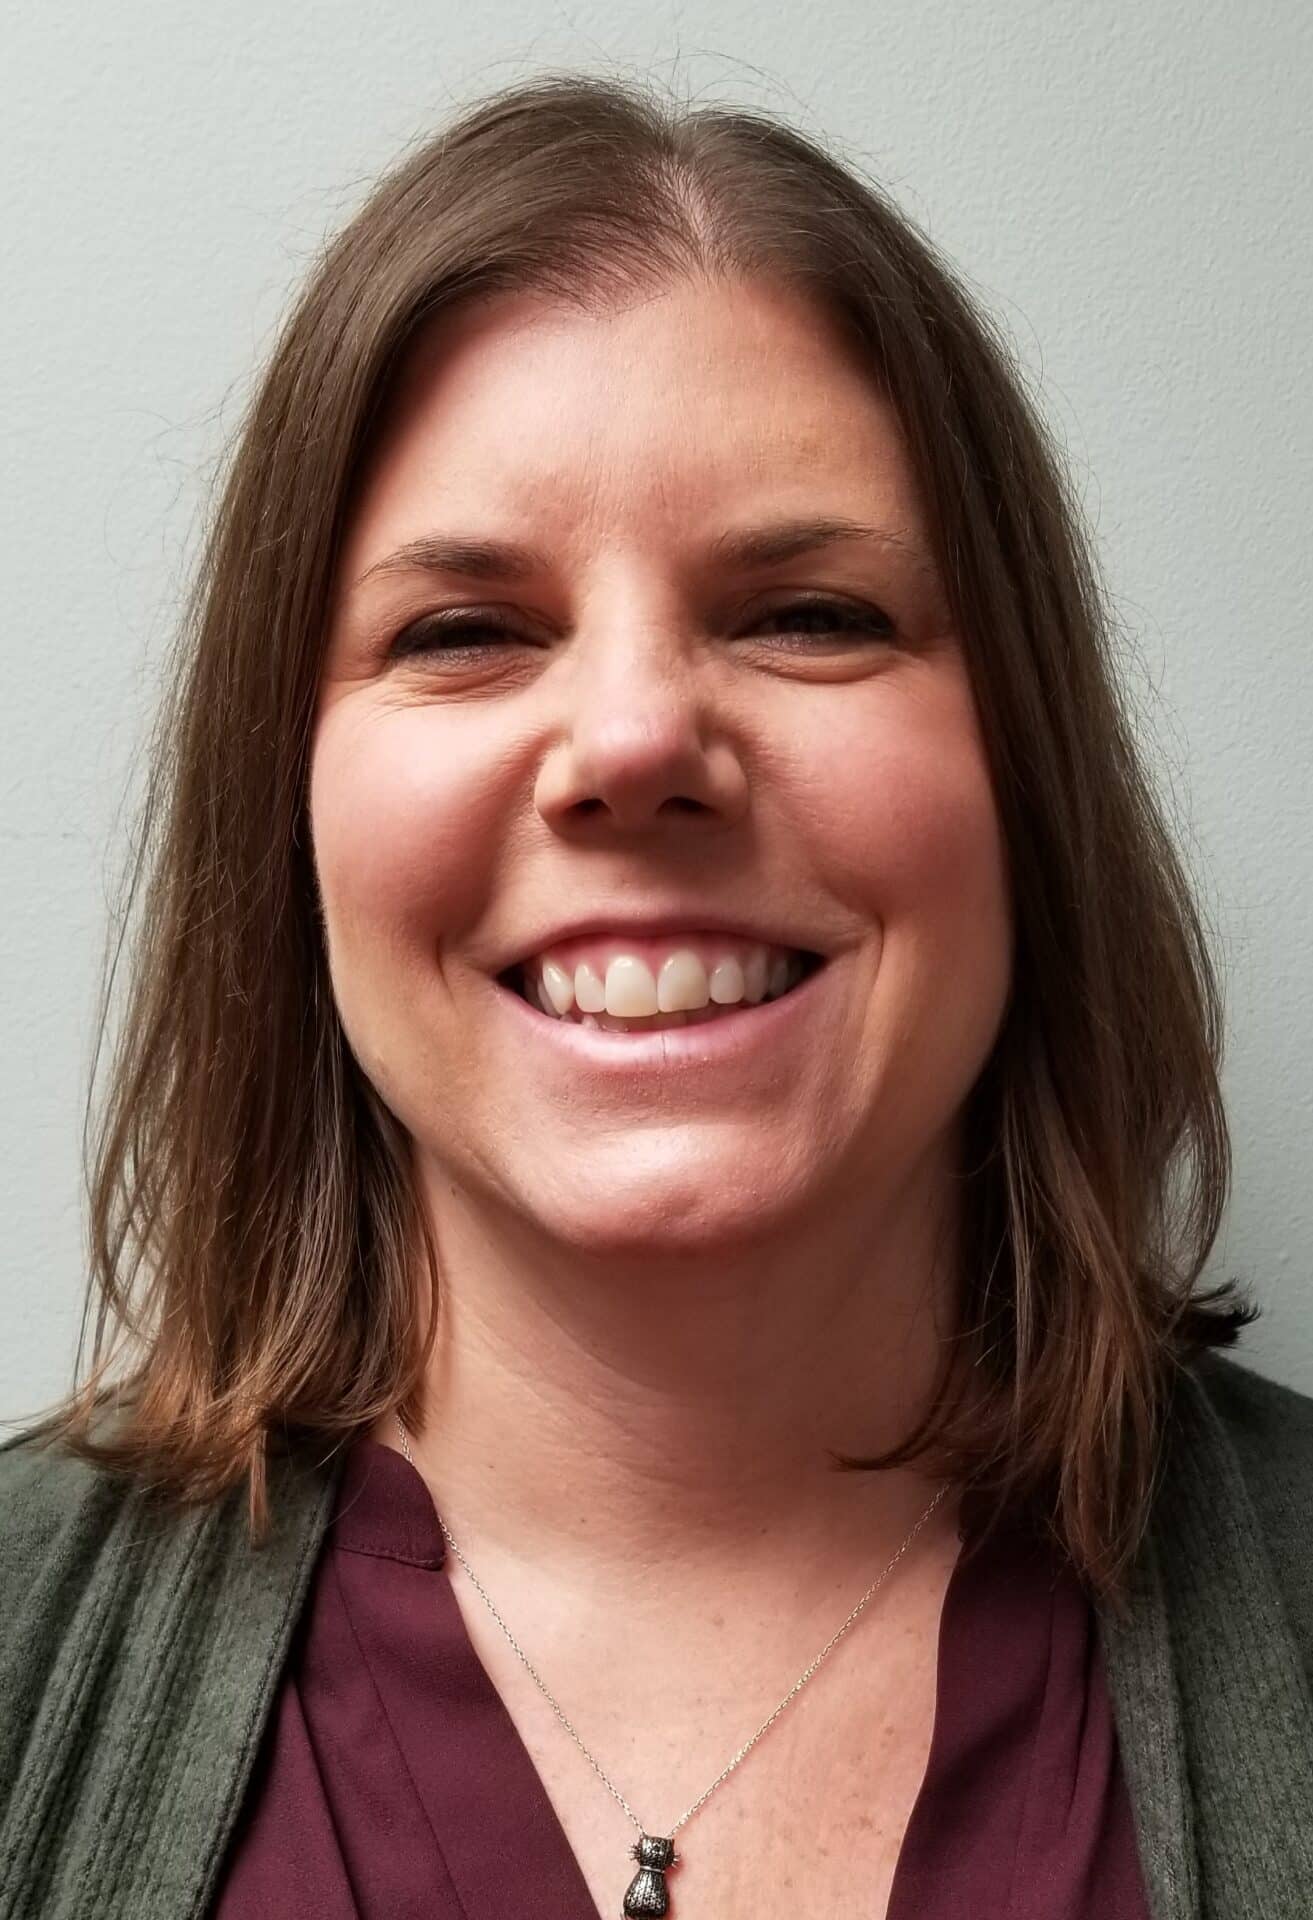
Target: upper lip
(653, 925)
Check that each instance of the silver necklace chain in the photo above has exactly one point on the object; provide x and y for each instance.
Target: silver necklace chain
(744, 1750)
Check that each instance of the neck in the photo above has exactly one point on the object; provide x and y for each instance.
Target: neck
(588, 1417)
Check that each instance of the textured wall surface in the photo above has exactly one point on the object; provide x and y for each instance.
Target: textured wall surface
(1126, 188)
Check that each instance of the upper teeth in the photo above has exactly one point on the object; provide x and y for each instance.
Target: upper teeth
(626, 985)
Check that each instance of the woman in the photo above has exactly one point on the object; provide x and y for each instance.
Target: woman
(664, 1044)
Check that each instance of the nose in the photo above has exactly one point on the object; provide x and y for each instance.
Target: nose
(641, 741)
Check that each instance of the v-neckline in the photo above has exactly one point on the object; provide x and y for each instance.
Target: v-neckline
(386, 1510)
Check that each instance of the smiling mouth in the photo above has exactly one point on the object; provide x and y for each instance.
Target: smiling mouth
(619, 1001)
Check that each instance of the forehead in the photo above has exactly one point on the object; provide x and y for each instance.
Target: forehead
(702, 399)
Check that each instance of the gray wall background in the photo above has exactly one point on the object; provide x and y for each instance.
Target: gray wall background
(1126, 188)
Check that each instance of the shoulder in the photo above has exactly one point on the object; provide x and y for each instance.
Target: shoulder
(58, 1505)
(61, 1518)
(77, 1537)
(48, 1494)
(118, 1612)
(1270, 1426)
(1270, 1430)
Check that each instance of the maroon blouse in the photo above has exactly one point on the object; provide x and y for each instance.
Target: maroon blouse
(391, 1778)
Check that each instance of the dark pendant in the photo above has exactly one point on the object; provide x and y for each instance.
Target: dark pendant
(647, 1890)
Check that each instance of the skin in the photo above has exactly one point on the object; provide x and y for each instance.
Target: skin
(663, 1301)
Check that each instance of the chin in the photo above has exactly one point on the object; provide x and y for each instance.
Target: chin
(676, 1208)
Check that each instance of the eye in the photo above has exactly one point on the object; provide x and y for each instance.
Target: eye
(457, 633)
(848, 616)
(463, 633)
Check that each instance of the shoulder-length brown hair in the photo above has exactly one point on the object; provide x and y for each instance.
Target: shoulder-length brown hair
(253, 1224)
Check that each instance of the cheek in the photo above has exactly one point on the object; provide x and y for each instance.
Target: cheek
(908, 835)
(906, 823)
(402, 818)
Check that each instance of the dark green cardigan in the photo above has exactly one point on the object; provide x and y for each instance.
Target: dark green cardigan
(139, 1660)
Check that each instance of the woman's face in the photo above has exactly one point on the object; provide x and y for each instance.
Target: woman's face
(640, 759)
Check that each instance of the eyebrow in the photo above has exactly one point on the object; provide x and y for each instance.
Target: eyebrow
(763, 546)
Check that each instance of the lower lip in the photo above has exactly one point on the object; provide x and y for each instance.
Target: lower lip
(730, 1037)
